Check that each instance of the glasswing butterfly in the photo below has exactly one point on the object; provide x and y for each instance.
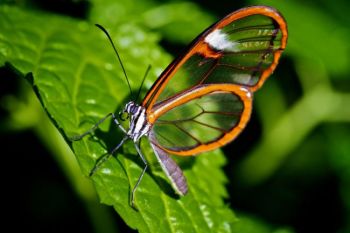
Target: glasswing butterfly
(203, 99)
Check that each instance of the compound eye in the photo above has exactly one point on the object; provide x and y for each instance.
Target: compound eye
(123, 116)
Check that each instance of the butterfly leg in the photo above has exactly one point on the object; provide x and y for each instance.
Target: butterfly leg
(118, 124)
(93, 128)
(137, 146)
(105, 157)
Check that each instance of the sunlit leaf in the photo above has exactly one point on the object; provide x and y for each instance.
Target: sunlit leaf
(75, 75)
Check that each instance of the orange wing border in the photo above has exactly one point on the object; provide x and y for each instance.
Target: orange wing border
(242, 92)
(200, 47)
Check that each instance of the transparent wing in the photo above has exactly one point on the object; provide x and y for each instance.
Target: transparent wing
(202, 119)
(243, 49)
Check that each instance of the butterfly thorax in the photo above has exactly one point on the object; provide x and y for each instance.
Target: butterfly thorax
(139, 126)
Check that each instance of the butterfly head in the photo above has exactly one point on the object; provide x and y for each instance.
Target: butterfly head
(131, 108)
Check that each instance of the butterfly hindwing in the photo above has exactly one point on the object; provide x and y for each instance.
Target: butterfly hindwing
(201, 119)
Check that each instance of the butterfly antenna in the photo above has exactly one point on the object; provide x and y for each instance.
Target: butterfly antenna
(115, 50)
(143, 80)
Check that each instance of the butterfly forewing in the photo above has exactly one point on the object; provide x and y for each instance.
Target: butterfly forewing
(242, 49)
(251, 33)
(202, 119)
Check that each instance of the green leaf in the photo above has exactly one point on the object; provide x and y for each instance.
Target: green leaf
(111, 12)
(78, 81)
(169, 19)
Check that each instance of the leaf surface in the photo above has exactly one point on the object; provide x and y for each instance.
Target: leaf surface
(75, 75)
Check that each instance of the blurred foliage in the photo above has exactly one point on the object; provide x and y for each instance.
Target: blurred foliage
(291, 167)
